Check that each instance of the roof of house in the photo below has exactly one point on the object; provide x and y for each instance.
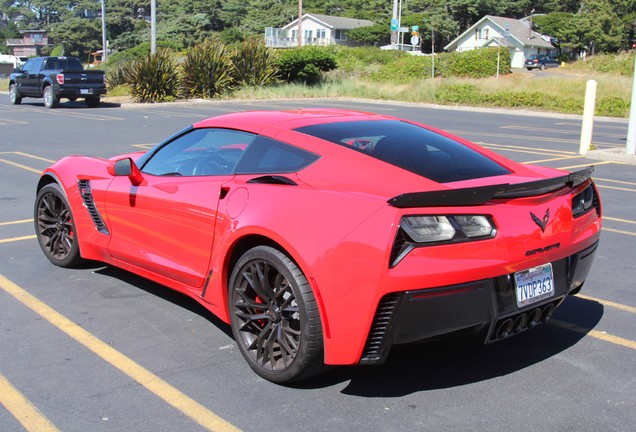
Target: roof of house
(519, 30)
(334, 22)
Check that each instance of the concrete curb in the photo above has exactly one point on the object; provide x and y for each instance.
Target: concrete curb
(612, 155)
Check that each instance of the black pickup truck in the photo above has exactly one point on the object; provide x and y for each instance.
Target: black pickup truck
(53, 78)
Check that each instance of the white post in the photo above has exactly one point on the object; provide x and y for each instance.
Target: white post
(631, 127)
(588, 117)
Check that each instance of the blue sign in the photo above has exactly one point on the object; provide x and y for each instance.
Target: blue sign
(394, 24)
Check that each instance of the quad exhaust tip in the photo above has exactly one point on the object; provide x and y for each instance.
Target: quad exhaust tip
(526, 320)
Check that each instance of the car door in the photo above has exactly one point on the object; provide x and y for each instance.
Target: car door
(28, 83)
(166, 225)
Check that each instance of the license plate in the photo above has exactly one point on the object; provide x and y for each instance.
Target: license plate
(534, 284)
(85, 91)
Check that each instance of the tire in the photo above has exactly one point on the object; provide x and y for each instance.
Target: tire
(50, 99)
(14, 94)
(542, 67)
(274, 317)
(55, 227)
(92, 102)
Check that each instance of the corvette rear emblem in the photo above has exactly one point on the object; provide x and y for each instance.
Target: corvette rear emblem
(541, 223)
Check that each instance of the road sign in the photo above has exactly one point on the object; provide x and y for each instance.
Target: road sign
(415, 40)
(394, 24)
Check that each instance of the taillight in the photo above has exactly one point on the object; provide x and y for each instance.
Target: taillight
(60, 78)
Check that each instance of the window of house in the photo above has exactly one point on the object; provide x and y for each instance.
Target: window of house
(340, 35)
(308, 34)
(321, 33)
(483, 33)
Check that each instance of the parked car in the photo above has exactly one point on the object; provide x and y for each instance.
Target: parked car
(328, 236)
(53, 78)
(541, 62)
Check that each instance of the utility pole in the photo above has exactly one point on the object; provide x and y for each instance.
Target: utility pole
(104, 38)
(300, 23)
(153, 26)
(630, 149)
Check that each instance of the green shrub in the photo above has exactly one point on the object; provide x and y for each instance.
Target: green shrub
(612, 107)
(254, 63)
(457, 93)
(304, 65)
(404, 68)
(207, 70)
(117, 75)
(153, 78)
(622, 63)
(479, 63)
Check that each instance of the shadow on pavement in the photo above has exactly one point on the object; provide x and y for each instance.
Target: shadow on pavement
(422, 367)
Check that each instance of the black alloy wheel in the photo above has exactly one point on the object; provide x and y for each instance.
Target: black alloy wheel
(55, 228)
(275, 319)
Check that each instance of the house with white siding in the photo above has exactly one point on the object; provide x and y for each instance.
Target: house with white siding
(515, 35)
(316, 29)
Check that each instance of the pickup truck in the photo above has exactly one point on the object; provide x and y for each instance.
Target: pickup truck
(53, 78)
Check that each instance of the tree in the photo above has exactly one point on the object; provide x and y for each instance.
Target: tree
(79, 36)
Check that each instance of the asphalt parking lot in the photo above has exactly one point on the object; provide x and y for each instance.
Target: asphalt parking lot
(98, 349)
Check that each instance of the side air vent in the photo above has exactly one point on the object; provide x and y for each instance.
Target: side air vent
(87, 197)
(377, 346)
(401, 246)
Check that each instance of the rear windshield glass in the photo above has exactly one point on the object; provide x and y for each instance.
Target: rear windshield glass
(410, 147)
(67, 64)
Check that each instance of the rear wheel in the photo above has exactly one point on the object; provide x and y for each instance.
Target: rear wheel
(92, 102)
(14, 94)
(274, 316)
(55, 228)
(50, 98)
(542, 67)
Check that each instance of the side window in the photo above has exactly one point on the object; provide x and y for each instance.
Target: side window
(269, 156)
(28, 66)
(200, 152)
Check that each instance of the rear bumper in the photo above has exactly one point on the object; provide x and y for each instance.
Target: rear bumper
(79, 92)
(485, 309)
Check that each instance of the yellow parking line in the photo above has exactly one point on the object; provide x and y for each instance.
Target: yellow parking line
(615, 305)
(15, 164)
(619, 220)
(619, 231)
(616, 340)
(21, 221)
(587, 165)
(15, 239)
(552, 159)
(126, 365)
(615, 181)
(33, 156)
(615, 188)
(23, 411)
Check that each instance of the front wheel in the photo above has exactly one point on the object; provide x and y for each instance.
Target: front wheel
(55, 228)
(274, 316)
(14, 94)
(50, 98)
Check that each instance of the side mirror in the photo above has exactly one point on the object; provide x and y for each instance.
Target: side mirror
(126, 167)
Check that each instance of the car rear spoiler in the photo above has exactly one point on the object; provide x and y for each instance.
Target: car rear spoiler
(482, 194)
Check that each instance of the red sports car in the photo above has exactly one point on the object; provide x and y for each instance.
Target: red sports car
(325, 237)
